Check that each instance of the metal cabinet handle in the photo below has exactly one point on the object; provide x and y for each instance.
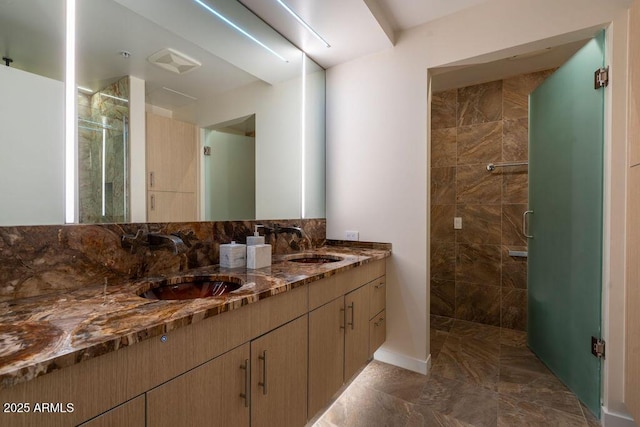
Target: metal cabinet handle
(344, 318)
(379, 285)
(153, 202)
(352, 307)
(247, 383)
(524, 224)
(263, 384)
(151, 179)
(379, 322)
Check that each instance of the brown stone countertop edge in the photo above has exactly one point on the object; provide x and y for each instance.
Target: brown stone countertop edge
(359, 244)
(42, 334)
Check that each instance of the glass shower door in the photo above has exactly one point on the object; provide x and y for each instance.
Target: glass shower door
(566, 134)
(103, 154)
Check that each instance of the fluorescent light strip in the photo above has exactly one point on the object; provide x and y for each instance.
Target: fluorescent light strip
(303, 23)
(113, 97)
(70, 128)
(180, 93)
(303, 198)
(237, 28)
(104, 171)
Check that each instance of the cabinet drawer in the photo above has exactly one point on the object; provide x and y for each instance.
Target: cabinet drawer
(377, 296)
(377, 332)
(277, 310)
(325, 290)
(330, 288)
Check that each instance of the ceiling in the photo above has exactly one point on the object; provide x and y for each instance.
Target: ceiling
(405, 14)
(32, 33)
(353, 28)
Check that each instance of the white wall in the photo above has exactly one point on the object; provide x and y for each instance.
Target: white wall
(377, 161)
(31, 149)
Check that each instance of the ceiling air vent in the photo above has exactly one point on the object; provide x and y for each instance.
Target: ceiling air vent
(174, 61)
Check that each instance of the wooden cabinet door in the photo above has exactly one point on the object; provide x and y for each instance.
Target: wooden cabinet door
(377, 296)
(131, 414)
(212, 394)
(377, 332)
(166, 206)
(356, 343)
(279, 376)
(172, 148)
(326, 353)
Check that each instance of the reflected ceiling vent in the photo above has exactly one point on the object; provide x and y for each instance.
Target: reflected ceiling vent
(174, 61)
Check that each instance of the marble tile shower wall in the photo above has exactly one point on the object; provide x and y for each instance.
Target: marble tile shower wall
(94, 112)
(42, 260)
(472, 275)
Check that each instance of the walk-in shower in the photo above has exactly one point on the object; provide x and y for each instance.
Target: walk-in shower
(103, 154)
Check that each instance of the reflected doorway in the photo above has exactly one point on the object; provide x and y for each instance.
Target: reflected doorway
(229, 170)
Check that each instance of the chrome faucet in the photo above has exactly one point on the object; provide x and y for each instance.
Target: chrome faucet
(154, 240)
(277, 228)
(158, 241)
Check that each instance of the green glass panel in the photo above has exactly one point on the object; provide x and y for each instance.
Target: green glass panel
(566, 122)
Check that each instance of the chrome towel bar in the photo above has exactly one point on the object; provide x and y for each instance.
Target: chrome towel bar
(493, 166)
(519, 254)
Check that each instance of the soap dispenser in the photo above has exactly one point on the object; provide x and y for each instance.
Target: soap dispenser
(258, 254)
(256, 239)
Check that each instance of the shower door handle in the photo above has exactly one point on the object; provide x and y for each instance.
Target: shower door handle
(524, 225)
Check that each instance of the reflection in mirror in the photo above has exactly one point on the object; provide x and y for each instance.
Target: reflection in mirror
(103, 121)
(32, 39)
(206, 74)
(115, 43)
(229, 164)
(313, 153)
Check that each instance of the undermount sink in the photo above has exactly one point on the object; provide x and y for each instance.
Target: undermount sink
(314, 258)
(192, 287)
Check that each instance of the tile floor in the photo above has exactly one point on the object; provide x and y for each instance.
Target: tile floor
(480, 376)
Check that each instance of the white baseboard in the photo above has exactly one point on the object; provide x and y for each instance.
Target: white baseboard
(616, 419)
(403, 361)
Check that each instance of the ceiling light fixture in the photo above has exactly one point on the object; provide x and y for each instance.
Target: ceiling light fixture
(237, 28)
(303, 23)
(117, 98)
(70, 127)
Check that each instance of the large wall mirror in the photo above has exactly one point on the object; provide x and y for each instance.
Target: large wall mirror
(209, 64)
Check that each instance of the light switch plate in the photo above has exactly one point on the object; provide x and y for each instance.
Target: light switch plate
(457, 223)
(351, 235)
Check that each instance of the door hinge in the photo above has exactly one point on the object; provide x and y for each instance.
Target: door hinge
(601, 78)
(597, 347)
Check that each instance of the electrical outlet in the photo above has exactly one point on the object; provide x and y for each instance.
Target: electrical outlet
(457, 223)
(351, 235)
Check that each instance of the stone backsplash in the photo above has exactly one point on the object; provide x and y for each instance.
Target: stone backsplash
(41, 260)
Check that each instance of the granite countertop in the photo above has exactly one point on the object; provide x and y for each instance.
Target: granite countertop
(41, 334)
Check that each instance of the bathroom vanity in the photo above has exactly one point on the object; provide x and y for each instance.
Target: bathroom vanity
(273, 352)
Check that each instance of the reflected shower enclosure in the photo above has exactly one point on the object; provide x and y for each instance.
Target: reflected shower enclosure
(103, 159)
